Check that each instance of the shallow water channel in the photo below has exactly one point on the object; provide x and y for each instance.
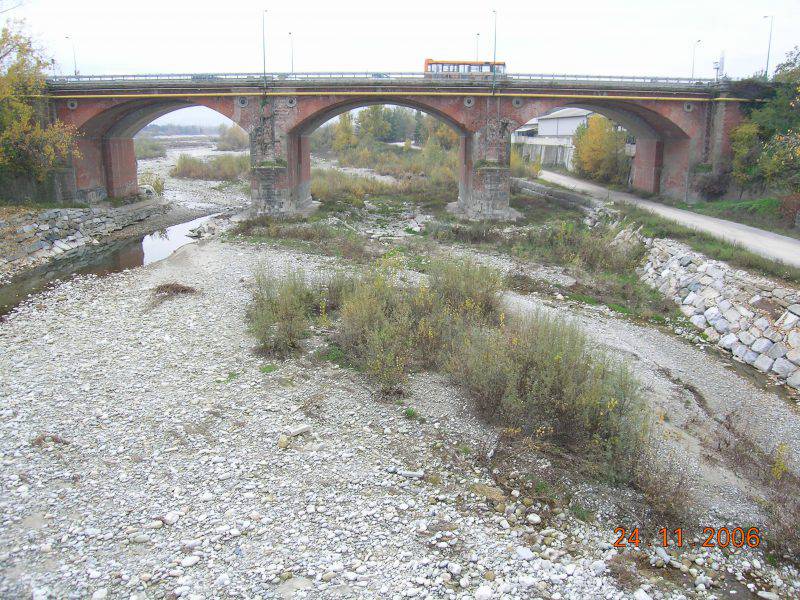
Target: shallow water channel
(103, 259)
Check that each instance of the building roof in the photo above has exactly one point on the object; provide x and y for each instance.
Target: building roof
(563, 113)
(532, 124)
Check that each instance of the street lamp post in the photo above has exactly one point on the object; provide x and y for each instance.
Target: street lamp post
(494, 53)
(74, 60)
(694, 54)
(264, 45)
(769, 43)
(477, 46)
(291, 50)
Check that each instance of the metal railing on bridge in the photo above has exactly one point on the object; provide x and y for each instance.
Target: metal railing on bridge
(260, 78)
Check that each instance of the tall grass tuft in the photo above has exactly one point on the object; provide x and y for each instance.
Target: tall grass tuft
(280, 310)
(228, 167)
(147, 147)
(522, 167)
(232, 138)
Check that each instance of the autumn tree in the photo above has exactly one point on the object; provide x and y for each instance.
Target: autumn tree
(401, 121)
(746, 146)
(373, 124)
(419, 128)
(780, 162)
(781, 112)
(30, 145)
(344, 136)
(600, 151)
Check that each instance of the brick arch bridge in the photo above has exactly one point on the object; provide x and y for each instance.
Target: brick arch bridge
(678, 124)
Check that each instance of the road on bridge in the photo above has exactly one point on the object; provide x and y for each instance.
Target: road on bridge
(766, 243)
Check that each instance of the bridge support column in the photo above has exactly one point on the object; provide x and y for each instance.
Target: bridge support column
(647, 165)
(484, 187)
(280, 177)
(119, 158)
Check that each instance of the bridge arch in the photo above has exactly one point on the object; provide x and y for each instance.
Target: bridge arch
(665, 140)
(310, 118)
(106, 164)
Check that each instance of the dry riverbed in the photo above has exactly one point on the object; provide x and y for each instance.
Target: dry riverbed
(148, 452)
(141, 458)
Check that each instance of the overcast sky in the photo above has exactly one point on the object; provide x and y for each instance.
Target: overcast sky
(602, 37)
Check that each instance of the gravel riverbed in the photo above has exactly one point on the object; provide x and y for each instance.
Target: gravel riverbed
(148, 452)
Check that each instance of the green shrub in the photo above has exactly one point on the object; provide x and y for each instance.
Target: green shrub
(540, 374)
(571, 243)
(466, 287)
(319, 237)
(330, 185)
(228, 167)
(280, 311)
(374, 332)
(476, 232)
(147, 147)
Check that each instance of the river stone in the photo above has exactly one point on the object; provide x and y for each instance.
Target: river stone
(288, 587)
(788, 321)
(795, 309)
(794, 356)
(762, 323)
(782, 367)
(721, 325)
(727, 341)
(777, 351)
(746, 338)
(739, 350)
(794, 380)
(750, 357)
(793, 339)
(761, 345)
(763, 363)
(698, 321)
(732, 315)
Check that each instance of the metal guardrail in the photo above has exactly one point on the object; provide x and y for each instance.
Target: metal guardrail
(255, 78)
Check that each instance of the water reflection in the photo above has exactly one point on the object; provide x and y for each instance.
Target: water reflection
(99, 260)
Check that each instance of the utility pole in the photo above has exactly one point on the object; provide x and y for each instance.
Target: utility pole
(494, 54)
(291, 50)
(477, 46)
(694, 54)
(769, 43)
(264, 45)
(74, 60)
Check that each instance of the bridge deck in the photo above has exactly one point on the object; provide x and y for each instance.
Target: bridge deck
(212, 82)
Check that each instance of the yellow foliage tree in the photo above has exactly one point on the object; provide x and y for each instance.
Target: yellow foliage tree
(600, 151)
(344, 136)
(30, 145)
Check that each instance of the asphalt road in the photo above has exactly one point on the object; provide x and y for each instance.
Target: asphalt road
(769, 244)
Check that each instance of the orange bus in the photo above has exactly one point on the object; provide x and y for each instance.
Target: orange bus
(463, 69)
